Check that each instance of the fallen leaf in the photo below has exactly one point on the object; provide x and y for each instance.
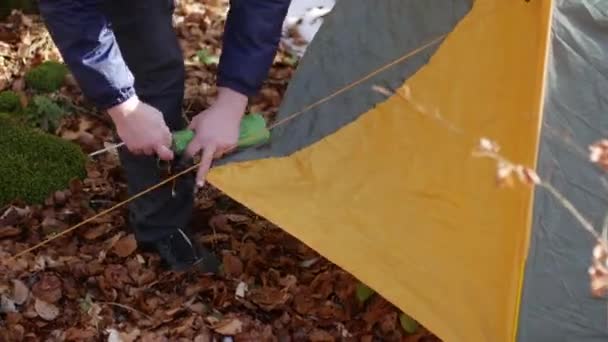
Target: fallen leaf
(598, 271)
(199, 308)
(12, 216)
(236, 218)
(504, 174)
(48, 288)
(125, 246)
(230, 326)
(19, 85)
(117, 336)
(220, 223)
(20, 292)
(79, 334)
(598, 153)
(233, 266)
(46, 311)
(408, 323)
(97, 231)
(488, 145)
(204, 337)
(268, 298)
(319, 335)
(364, 292)
(308, 263)
(9, 231)
(527, 176)
(116, 276)
(7, 305)
(241, 289)
(52, 225)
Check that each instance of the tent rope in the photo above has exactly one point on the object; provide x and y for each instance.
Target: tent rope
(276, 124)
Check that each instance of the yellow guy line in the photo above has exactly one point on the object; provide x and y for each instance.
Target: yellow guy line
(276, 124)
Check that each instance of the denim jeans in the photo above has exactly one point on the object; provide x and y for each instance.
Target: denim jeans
(149, 46)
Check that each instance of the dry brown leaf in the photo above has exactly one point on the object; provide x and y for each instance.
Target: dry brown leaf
(19, 86)
(97, 231)
(229, 327)
(9, 231)
(79, 334)
(598, 153)
(488, 146)
(13, 216)
(52, 225)
(214, 238)
(504, 174)
(237, 218)
(203, 337)
(220, 223)
(20, 292)
(7, 304)
(125, 246)
(46, 311)
(16, 333)
(598, 271)
(117, 336)
(268, 298)
(116, 276)
(319, 335)
(131, 336)
(233, 266)
(48, 288)
(527, 176)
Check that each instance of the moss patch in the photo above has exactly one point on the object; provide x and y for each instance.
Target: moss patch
(47, 76)
(34, 164)
(43, 113)
(9, 102)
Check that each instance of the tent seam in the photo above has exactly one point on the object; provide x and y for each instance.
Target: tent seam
(526, 243)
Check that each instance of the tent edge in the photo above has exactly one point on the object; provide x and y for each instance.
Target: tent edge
(543, 63)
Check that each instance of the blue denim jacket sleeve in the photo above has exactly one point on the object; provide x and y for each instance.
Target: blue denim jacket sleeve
(82, 35)
(251, 38)
(88, 47)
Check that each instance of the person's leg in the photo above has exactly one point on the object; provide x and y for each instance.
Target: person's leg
(149, 45)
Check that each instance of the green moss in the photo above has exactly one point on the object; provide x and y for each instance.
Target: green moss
(9, 102)
(47, 76)
(44, 113)
(34, 164)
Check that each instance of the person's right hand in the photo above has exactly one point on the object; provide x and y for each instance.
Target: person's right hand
(142, 128)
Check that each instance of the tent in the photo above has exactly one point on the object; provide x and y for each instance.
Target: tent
(384, 188)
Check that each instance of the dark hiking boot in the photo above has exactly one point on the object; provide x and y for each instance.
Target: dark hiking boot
(180, 253)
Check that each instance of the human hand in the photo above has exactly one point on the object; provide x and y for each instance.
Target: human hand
(142, 128)
(216, 129)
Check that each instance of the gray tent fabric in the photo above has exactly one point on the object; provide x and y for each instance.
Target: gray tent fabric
(557, 305)
(356, 38)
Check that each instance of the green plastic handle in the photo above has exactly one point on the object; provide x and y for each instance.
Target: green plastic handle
(253, 131)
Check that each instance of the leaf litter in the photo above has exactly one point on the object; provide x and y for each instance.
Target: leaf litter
(94, 284)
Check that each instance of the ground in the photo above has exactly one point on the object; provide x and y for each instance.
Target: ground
(93, 284)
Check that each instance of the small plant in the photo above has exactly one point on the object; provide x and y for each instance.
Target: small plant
(46, 77)
(44, 113)
(9, 102)
(206, 57)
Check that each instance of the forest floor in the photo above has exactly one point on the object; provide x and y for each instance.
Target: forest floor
(95, 285)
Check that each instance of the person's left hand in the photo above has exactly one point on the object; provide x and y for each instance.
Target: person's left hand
(216, 130)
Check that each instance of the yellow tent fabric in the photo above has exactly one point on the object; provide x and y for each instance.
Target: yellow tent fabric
(396, 198)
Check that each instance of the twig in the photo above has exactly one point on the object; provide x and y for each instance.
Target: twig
(572, 209)
(585, 224)
(126, 307)
(406, 96)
